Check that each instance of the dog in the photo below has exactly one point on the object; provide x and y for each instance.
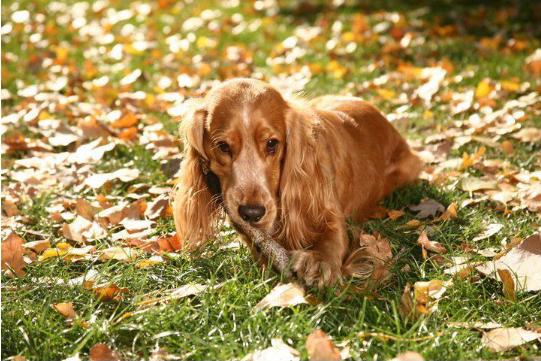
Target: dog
(292, 169)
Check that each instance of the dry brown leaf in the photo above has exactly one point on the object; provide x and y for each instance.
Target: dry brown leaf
(532, 198)
(283, 295)
(528, 135)
(480, 325)
(157, 207)
(12, 254)
(472, 184)
(124, 254)
(490, 230)
(408, 356)
(85, 209)
(102, 352)
(321, 348)
(380, 253)
(65, 309)
(38, 246)
(450, 213)
(9, 208)
(81, 230)
(503, 339)
(508, 284)
(427, 208)
(427, 244)
(124, 174)
(192, 289)
(533, 63)
(522, 262)
(407, 305)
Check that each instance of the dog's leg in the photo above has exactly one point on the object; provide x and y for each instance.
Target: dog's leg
(321, 264)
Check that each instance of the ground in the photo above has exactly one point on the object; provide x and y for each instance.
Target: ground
(120, 71)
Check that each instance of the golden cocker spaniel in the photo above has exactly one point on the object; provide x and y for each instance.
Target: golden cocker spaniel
(295, 171)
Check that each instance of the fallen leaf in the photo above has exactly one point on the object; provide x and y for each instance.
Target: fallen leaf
(102, 352)
(90, 153)
(38, 246)
(12, 254)
(85, 209)
(522, 262)
(278, 351)
(528, 135)
(472, 184)
(508, 284)
(427, 244)
(379, 250)
(110, 292)
(394, 214)
(66, 310)
(503, 339)
(192, 289)
(450, 213)
(533, 63)
(477, 324)
(124, 254)
(124, 174)
(427, 208)
(407, 304)
(484, 88)
(283, 295)
(152, 261)
(321, 348)
(9, 208)
(157, 207)
(490, 230)
(427, 294)
(82, 230)
(127, 121)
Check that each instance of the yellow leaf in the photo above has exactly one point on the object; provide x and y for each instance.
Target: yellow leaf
(484, 88)
(386, 94)
(510, 85)
(154, 260)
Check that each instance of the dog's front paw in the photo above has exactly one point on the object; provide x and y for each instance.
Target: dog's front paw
(314, 269)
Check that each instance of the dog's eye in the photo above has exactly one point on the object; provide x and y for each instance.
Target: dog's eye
(272, 144)
(224, 147)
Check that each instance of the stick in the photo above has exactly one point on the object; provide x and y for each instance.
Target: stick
(268, 247)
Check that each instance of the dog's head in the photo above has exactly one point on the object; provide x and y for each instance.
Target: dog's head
(244, 149)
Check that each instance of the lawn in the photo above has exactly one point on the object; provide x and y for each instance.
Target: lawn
(91, 88)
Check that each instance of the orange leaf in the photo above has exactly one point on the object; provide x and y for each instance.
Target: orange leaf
(109, 293)
(128, 120)
(12, 254)
(65, 309)
(321, 348)
(102, 352)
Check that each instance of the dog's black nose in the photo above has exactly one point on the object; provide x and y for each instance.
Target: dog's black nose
(251, 213)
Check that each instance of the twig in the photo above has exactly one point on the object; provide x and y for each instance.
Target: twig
(271, 249)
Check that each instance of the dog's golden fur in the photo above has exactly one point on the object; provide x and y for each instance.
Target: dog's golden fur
(333, 158)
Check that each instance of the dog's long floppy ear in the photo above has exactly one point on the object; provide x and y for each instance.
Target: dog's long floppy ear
(304, 191)
(195, 208)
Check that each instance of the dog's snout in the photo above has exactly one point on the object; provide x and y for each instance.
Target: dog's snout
(251, 213)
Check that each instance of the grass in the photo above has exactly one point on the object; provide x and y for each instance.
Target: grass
(220, 324)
